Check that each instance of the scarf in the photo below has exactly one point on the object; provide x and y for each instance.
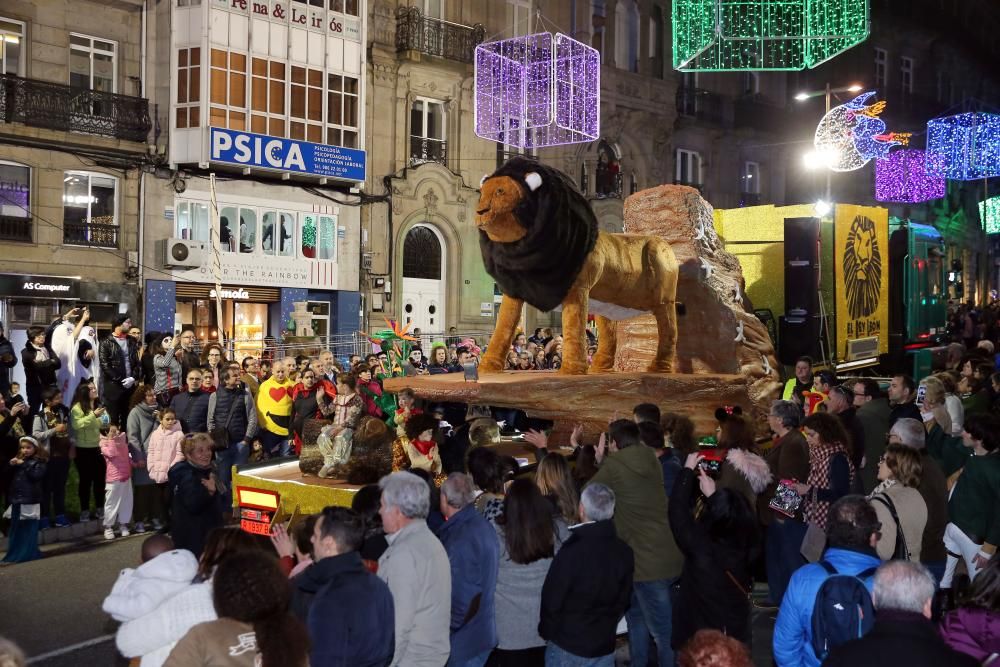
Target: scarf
(882, 487)
(424, 446)
(41, 354)
(815, 510)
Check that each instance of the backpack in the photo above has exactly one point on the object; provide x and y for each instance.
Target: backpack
(842, 611)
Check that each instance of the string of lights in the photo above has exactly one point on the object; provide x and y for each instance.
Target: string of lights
(964, 147)
(902, 178)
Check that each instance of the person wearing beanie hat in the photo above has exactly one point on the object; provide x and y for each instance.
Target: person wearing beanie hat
(120, 368)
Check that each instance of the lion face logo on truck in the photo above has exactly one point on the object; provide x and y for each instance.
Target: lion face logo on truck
(862, 268)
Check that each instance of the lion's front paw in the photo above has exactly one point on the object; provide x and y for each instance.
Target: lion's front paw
(660, 367)
(569, 368)
(488, 365)
(602, 364)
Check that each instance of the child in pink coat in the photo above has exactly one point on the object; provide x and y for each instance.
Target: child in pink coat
(162, 452)
(117, 481)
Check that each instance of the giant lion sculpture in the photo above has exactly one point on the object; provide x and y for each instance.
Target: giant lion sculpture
(540, 243)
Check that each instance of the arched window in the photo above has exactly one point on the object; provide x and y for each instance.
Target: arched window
(609, 183)
(422, 254)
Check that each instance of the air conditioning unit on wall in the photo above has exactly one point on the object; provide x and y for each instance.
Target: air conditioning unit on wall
(182, 253)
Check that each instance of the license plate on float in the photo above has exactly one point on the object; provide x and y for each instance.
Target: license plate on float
(255, 527)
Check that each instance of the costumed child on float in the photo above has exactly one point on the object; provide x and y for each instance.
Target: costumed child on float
(418, 449)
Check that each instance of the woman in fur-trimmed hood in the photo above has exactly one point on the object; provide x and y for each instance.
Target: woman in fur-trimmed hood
(742, 470)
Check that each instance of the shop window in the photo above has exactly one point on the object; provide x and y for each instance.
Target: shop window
(188, 111)
(342, 111)
(427, 132)
(11, 47)
(422, 254)
(89, 209)
(228, 228)
(192, 221)
(92, 63)
(248, 230)
(306, 108)
(228, 95)
(267, 97)
(278, 233)
(319, 236)
(345, 6)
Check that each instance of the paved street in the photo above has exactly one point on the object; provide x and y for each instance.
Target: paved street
(52, 607)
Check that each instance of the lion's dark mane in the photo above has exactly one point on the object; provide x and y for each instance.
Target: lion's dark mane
(561, 232)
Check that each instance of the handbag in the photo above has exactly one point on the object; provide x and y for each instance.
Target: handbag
(813, 543)
(31, 511)
(220, 434)
(901, 552)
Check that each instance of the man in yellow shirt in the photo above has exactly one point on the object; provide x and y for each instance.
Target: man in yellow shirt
(274, 412)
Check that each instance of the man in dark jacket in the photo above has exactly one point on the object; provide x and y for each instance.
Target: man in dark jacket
(903, 633)
(192, 405)
(232, 408)
(40, 363)
(933, 489)
(873, 412)
(348, 610)
(474, 555)
(589, 585)
(8, 359)
(186, 353)
(902, 397)
(120, 369)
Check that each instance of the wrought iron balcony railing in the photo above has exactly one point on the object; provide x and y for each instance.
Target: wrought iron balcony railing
(90, 233)
(16, 229)
(701, 104)
(416, 32)
(56, 106)
(428, 150)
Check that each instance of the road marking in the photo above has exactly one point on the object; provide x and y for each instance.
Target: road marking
(70, 649)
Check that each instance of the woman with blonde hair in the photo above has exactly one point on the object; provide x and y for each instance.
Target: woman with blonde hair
(900, 508)
(555, 480)
(951, 400)
(935, 402)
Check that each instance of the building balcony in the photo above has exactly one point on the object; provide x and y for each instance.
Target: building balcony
(756, 113)
(16, 229)
(428, 150)
(701, 104)
(56, 106)
(90, 234)
(434, 37)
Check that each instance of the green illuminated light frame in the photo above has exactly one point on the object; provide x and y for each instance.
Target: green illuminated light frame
(989, 213)
(764, 35)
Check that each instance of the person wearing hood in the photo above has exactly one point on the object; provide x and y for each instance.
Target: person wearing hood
(633, 473)
(974, 628)
(195, 511)
(742, 470)
(360, 633)
(719, 547)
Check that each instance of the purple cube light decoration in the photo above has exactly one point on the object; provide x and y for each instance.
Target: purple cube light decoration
(964, 147)
(538, 90)
(902, 178)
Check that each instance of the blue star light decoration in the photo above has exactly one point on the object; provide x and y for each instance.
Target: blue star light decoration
(964, 147)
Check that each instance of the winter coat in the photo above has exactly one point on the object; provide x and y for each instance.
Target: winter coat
(856, 430)
(58, 445)
(26, 485)
(140, 591)
(588, 589)
(116, 452)
(167, 372)
(473, 552)
(519, 594)
(242, 425)
(192, 410)
(792, 642)
(874, 417)
(671, 464)
(416, 568)
(113, 360)
(224, 642)
(934, 490)
(912, 512)
(973, 631)
(746, 473)
(153, 635)
(86, 427)
(635, 476)
(163, 451)
(39, 374)
(140, 425)
(195, 510)
(898, 638)
(345, 635)
(788, 458)
(708, 595)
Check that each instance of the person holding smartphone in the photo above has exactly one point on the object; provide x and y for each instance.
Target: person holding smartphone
(86, 418)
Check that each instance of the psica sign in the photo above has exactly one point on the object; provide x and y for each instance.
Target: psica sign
(258, 150)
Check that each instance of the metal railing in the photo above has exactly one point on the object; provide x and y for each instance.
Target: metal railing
(90, 234)
(428, 150)
(416, 32)
(56, 106)
(16, 229)
(701, 104)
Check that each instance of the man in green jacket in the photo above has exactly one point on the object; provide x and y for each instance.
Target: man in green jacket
(874, 413)
(633, 472)
(973, 529)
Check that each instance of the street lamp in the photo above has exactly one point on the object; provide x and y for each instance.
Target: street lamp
(816, 159)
